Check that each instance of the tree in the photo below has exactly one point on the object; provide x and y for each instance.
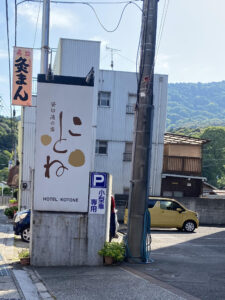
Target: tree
(5, 156)
(4, 174)
(214, 155)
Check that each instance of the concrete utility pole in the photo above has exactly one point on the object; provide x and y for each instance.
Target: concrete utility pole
(143, 130)
(45, 36)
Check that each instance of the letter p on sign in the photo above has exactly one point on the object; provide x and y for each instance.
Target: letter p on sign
(98, 180)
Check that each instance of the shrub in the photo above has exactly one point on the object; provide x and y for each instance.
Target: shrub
(10, 211)
(114, 250)
(7, 191)
(13, 201)
(24, 254)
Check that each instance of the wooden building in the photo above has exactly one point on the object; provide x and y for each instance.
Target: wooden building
(182, 166)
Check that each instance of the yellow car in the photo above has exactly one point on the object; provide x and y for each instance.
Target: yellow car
(169, 213)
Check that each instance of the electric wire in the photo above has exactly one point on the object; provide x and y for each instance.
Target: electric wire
(6, 108)
(15, 22)
(142, 39)
(120, 18)
(35, 34)
(82, 2)
(9, 62)
(161, 28)
(162, 24)
(163, 20)
(128, 59)
(90, 4)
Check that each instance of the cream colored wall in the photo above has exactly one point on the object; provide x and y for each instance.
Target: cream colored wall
(183, 150)
(166, 149)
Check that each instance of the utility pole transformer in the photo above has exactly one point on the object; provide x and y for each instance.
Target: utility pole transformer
(139, 191)
(45, 36)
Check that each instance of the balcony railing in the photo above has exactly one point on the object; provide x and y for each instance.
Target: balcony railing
(182, 165)
(127, 156)
(130, 108)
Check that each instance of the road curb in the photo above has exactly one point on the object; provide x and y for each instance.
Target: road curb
(42, 290)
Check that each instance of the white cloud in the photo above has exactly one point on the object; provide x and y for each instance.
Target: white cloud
(60, 17)
(30, 13)
(104, 43)
(162, 63)
(3, 53)
(63, 18)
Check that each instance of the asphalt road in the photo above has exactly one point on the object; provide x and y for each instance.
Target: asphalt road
(192, 262)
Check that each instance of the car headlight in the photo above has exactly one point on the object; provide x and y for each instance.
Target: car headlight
(20, 217)
(197, 215)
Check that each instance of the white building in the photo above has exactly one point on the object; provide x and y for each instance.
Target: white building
(115, 127)
(113, 116)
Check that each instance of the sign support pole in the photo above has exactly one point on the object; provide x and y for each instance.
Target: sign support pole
(45, 36)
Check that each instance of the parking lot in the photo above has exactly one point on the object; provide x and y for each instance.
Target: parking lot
(192, 262)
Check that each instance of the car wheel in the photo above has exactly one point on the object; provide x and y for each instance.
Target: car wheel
(189, 226)
(25, 235)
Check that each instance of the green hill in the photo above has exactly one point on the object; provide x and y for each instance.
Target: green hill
(196, 105)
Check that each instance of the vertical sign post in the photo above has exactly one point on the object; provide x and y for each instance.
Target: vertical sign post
(98, 193)
(98, 214)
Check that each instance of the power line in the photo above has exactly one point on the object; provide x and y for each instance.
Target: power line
(118, 24)
(142, 38)
(161, 28)
(90, 4)
(15, 22)
(7, 28)
(37, 24)
(84, 2)
(128, 59)
(162, 24)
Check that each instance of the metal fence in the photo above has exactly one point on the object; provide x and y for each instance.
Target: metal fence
(4, 200)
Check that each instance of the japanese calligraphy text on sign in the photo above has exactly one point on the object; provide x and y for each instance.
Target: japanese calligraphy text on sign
(22, 76)
(98, 193)
(63, 147)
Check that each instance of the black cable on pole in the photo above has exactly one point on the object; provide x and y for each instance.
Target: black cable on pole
(10, 90)
(15, 22)
(90, 4)
(142, 62)
(93, 9)
(37, 24)
(82, 2)
(9, 63)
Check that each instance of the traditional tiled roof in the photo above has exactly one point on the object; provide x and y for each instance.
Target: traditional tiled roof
(172, 138)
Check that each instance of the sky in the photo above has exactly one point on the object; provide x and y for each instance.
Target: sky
(191, 47)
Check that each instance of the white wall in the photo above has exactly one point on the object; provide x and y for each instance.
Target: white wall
(28, 119)
(116, 126)
(76, 58)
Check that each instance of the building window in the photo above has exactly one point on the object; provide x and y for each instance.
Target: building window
(127, 155)
(104, 98)
(132, 99)
(126, 190)
(101, 147)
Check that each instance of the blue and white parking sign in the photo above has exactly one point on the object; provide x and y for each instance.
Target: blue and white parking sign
(97, 195)
(98, 180)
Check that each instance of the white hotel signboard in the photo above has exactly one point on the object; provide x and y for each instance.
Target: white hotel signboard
(63, 144)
